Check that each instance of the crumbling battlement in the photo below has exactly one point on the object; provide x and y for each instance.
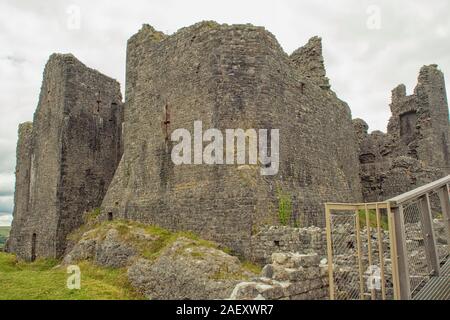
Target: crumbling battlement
(415, 149)
(66, 158)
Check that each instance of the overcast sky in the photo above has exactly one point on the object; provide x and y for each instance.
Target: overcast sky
(369, 47)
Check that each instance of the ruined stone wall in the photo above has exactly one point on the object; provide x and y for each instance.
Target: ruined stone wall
(414, 151)
(289, 276)
(227, 77)
(74, 150)
(22, 193)
(272, 239)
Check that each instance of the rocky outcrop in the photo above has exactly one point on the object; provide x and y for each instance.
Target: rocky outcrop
(187, 271)
(108, 250)
(160, 264)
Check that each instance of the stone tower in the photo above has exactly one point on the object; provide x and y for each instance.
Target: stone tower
(229, 77)
(415, 149)
(66, 158)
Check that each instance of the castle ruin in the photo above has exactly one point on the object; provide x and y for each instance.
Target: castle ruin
(86, 149)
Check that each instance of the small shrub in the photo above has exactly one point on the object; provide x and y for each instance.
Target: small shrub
(373, 219)
(284, 208)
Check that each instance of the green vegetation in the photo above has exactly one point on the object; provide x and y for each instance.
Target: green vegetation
(251, 267)
(149, 241)
(93, 215)
(4, 233)
(247, 267)
(284, 207)
(373, 219)
(43, 279)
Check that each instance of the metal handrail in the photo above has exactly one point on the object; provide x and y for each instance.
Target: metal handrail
(396, 209)
(418, 192)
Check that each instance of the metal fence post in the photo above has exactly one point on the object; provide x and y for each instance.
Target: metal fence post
(445, 205)
(402, 256)
(428, 235)
(329, 251)
(393, 252)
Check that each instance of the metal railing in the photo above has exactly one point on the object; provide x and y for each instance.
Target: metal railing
(388, 250)
(360, 245)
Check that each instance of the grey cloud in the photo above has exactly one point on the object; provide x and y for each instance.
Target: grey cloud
(5, 219)
(6, 204)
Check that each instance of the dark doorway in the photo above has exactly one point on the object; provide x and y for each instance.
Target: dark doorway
(110, 216)
(408, 123)
(33, 247)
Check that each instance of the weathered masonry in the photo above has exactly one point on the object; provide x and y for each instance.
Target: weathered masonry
(230, 77)
(86, 149)
(415, 149)
(66, 158)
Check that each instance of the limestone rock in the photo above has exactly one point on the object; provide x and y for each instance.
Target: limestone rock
(185, 270)
(290, 276)
(107, 250)
(113, 252)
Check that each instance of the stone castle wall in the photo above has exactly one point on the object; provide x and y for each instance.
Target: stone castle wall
(285, 239)
(228, 77)
(289, 276)
(415, 149)
(85, 148)
(66, 158)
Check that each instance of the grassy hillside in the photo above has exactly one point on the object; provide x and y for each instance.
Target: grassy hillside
(44, 280)
(4, 233)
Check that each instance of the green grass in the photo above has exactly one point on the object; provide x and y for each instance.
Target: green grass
(4, 231)
(373, 219)
(43, 280)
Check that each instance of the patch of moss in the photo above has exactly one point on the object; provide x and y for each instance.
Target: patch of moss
(209, 24)
(251, 267)
(248, 269)
(197, 254)
(373, 219)
(284, 207)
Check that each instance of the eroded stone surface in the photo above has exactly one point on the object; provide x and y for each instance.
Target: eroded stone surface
(187, 271)
(291, 276)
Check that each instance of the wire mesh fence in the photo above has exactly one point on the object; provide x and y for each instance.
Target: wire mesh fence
(389, 249)
(345, 256)
(360, 251)
(438, 227)
(418, 266)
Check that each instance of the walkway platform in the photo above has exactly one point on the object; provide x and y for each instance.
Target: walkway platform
(437, 288)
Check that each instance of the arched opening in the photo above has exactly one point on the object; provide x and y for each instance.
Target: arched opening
(33, 247)
(110, 216)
